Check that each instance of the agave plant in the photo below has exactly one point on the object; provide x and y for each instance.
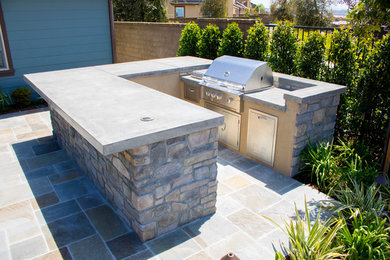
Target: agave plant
(311, 241)
(367, 200)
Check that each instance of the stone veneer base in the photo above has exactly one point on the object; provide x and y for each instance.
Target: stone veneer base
(156, 187)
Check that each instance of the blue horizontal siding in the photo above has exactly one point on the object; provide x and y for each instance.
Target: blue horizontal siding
(46, 35)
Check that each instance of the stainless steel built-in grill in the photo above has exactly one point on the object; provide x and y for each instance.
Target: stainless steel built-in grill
(229, 77)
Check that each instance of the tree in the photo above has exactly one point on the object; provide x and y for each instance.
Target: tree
(282, 10)
(368, 16)
(284, 45)
(312, 56)
(260, 9)
(189, 40)
(213, 8)
(232, 41)
(312, 12)
(209, 42)
(140, 10)
(256, 44)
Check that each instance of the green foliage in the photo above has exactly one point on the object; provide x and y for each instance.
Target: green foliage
(189, 39)
(311, 240)
(373, 96)
(213, 8)
(312, 12)
(367, 16)
(209, 42)
(365, 238)
(256, 43)
(342, 58)
(312, 56)
(5, 100)
(321, 163)
(21, 96)
(260, 9)
(140, 10)
(366, 200)
(283, 49)
(282, 10)
(232, 41)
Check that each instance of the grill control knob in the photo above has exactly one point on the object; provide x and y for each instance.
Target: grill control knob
(219, 96)
(208, 93)
(213, 95)
(230, 100)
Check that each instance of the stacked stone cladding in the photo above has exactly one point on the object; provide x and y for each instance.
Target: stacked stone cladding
(315, 122)
(155, 187)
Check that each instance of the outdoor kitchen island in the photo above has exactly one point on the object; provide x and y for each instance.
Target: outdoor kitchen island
(151, 155)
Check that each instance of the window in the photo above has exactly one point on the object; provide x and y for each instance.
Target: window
(6, 68)
(179, 11)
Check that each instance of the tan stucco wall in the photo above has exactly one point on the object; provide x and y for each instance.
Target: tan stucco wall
(168, 84)
(189, 10)
(143, 41)
(172, 85)
(284, 134)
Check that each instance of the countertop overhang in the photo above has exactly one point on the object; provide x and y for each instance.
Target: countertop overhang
(106, 108)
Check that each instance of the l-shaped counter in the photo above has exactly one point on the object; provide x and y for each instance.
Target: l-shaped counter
(151, 154)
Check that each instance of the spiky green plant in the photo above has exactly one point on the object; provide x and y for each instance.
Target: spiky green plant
(311, 241)
(367, 200)
(322, 165)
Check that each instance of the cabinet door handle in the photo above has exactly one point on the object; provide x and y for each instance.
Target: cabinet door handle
(192, 90)
(261, 118)
(223, 127)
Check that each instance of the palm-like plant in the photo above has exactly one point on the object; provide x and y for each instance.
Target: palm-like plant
(311, 241)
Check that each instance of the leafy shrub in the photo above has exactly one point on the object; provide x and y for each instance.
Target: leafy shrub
(341, 58)
(209, 42)
(311, 241)
(188, 40)
(5, 100)
(312, 56)
(21, 96)
(373, 97)
(283, 49)
(365, 238)
(232, 41)
(256, 44)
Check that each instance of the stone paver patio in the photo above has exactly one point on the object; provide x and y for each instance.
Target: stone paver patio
(50, 210)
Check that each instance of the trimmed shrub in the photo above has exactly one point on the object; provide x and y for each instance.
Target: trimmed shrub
(312, 56)
(5, 100)
(21, 96)
(284, 45)
(232, 41)
(341, 58)
(188, 41)
(209, 42)
(256, 44)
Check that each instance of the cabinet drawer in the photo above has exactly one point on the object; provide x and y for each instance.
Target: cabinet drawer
(261, 137)
(192, 92)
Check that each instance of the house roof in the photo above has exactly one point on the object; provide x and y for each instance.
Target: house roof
(186, 2)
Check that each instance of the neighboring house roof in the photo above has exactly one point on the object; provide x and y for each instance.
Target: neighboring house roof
(186, 2)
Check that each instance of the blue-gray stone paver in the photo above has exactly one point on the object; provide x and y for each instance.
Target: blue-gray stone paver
(208, 238)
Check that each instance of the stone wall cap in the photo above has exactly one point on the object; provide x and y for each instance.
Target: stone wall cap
(272, 98)
(107, 109)
(314, 89)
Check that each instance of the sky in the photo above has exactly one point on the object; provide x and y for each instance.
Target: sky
(267, 4)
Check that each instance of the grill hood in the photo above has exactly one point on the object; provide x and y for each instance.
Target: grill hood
(240, 74)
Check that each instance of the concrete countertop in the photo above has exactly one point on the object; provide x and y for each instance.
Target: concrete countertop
(106, 109)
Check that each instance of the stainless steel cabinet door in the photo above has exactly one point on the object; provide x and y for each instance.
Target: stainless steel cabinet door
(261, 136)
(229, 132)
